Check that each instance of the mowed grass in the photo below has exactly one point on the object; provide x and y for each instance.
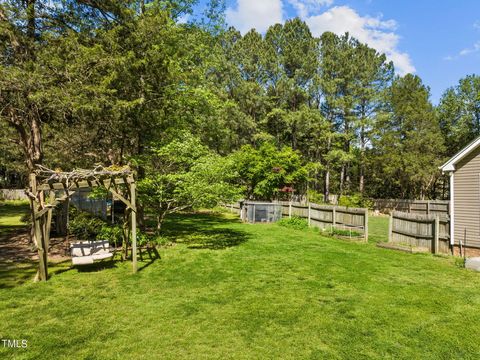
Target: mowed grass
(378, 228)
(11, 213)
(228, 290)
(13, 273)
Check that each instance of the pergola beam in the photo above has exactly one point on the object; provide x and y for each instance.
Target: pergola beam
(78, 185)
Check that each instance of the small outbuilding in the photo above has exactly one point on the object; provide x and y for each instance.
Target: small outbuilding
(464, 172)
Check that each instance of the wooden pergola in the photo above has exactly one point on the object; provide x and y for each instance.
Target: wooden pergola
(48, 188)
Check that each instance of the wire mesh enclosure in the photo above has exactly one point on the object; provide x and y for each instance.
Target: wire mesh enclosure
(261, 212)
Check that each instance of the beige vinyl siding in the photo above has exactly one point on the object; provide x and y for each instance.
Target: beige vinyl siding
(467, 200)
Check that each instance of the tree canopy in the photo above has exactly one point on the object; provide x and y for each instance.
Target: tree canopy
(199, 109)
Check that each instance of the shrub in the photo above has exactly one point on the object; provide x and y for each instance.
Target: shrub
(315, 197)
(355, 200)
(114, 234)
(295, 222)
(83, 225)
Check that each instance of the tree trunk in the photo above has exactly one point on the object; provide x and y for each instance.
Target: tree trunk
(342, 179)
(361, 185)
(326, 190)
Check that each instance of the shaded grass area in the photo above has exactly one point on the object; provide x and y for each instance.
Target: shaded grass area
(203, 230)
(272, 293)
(11, 213)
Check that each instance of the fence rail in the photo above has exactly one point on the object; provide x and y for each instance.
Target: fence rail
(325, 217)
(425, 207)
(427, 232)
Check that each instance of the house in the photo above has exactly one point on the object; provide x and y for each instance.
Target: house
(464, 172)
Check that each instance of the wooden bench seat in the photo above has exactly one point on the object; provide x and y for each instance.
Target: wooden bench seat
(87, 252)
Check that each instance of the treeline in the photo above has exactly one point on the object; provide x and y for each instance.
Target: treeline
(116, 82)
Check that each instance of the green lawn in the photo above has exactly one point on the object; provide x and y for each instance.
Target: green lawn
(239, 291)
(11, 213)
(378, 228)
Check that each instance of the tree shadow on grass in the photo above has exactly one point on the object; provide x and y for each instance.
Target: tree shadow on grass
(96, 266)
(216, 239)
(203, 231)
(12, 275)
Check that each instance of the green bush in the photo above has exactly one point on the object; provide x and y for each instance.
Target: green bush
(114, 234)
(295, 222)
(356, 201)
(83, 225)
(315, 197)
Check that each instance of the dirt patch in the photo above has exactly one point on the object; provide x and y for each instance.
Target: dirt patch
(17, 247)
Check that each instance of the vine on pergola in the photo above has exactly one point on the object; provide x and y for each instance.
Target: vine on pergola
(60, 185)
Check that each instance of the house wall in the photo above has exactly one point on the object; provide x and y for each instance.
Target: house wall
(467, 200)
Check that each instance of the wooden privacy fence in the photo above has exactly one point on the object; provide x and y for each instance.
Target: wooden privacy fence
(13, 194)
(234, 207)
(328, 217)
(420, 232)
(424, 207)
(325, 217)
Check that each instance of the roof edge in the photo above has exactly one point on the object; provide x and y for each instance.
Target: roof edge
(450, 164)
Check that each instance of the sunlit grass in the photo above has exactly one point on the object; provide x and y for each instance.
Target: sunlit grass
(241, 291)
(11, 213)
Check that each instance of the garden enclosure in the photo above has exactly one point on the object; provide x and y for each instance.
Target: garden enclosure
(264, 212)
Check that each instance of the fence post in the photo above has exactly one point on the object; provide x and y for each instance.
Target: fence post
(390, 227)
(334, 217)
(436, 234)
(428, 207)
(290, 209)
(365, 225)
(309, 214)
(254, 213)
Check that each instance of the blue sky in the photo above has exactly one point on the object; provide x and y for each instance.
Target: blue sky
(437, 40)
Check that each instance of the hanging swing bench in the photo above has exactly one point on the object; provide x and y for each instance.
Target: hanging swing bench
(48, 188)
(87, 252)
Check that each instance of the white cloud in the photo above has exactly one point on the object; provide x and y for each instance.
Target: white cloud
(305, 8)
(258, 14)
(467, 51)
(475, 48)
(374, 31)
